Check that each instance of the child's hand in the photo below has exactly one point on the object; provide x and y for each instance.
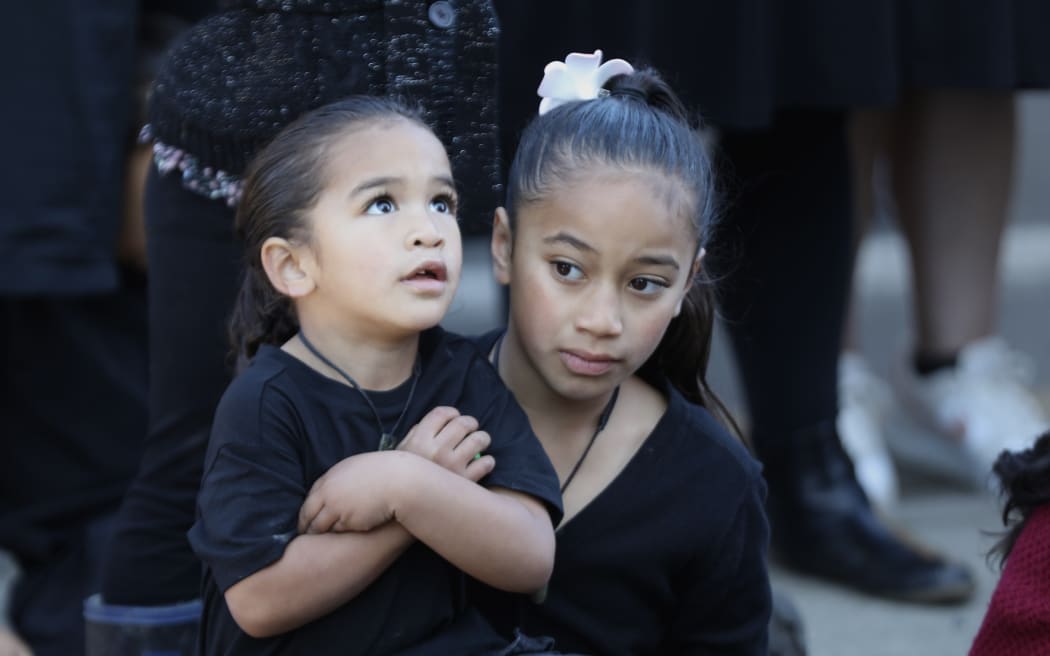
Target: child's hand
(452, 441)
(351, 496)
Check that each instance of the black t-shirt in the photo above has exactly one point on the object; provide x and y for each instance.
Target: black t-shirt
(279, 427)
(670, 558)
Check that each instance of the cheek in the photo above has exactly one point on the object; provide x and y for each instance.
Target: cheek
(648, 329)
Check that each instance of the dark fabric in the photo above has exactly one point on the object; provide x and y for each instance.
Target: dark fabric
(47, 603)
(67, 70)
(279, 427)
(243, 74)
(670, 558)
(1019, 612)
(783, 258)
(72, 403)
(740, 63)
(194, 263)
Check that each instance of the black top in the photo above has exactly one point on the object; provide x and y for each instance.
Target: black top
(279, 427)
(670, 558)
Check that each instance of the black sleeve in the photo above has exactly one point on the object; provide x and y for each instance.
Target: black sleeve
(253, 486)
(521, 463)
(726, 604)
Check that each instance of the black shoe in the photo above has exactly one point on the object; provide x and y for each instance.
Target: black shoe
(823, 525)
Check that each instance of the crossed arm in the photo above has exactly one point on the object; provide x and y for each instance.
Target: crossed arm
(367, 509)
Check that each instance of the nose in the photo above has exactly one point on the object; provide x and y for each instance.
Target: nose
(424, 231)
(600, 312)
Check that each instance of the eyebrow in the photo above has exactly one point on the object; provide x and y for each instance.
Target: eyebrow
(580, 245)
(376, 183)
(566, 238)
(658, 260)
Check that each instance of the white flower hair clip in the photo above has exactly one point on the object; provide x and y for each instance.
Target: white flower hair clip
(579, 77)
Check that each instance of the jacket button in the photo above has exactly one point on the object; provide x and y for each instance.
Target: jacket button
(441, 14)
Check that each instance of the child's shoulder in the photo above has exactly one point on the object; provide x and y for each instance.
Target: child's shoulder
(265, 375)
(455, 352)
(703, 442)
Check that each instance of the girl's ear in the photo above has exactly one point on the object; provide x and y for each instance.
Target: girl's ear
(692, 276)
(286, 267)
(502, 242)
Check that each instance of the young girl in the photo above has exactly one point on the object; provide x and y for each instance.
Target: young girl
(349, 219)
(610, 203)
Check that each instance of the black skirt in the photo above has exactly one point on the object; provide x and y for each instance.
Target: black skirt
(740, 62)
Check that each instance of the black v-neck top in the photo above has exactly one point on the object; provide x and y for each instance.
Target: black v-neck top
(670, 558)
(279, 427)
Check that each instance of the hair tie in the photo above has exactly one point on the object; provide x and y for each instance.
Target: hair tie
(579, 77)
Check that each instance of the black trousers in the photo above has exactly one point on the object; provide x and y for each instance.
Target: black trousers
(783, 255)
(73, 410)
(194, 275)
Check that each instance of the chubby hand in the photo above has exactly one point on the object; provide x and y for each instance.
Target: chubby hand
(351, 496)
(452, 441)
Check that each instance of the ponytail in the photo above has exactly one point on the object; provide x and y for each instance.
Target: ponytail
(260, 316)
(683, 354)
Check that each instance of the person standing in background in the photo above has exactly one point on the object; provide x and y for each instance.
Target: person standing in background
(72, 299)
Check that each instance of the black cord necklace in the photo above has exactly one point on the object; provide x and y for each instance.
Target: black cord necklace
(603, 419)
(387, 440)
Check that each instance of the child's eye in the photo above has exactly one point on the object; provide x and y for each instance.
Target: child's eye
(647, 285)
(381, 205)
(566, 270)
(444, 204)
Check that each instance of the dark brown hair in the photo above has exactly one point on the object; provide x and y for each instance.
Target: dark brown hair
(282, 184)
(1024, 480)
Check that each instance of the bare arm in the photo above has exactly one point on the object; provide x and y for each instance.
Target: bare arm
(500, 537)
(316, 575)
(320, 572)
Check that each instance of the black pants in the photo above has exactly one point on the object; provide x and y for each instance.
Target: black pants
(784, 251)
(73, 409)
(194, 264)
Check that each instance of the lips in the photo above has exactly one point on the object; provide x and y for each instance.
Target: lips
(585, 363)
(430, 270)
(429, 278)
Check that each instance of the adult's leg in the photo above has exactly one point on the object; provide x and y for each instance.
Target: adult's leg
(194, 261)
(952, 163)
(73, 405)
(784, 298)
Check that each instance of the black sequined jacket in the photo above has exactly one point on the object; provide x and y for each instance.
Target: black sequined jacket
(241, 75)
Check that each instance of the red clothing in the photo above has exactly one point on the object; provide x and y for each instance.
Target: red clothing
(1018, 617)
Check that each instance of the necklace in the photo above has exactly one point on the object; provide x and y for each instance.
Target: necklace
(387, 440)
(603, 419)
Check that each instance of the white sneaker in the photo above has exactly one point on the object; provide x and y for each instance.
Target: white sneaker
(976, 409)
(865, 401)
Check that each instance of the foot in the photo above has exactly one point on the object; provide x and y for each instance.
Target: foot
(866, 401)
(972, 412)
(823, 525)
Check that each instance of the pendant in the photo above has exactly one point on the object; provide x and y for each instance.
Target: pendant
(387, 442)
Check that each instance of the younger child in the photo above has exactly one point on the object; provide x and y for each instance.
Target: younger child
(349, 220)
